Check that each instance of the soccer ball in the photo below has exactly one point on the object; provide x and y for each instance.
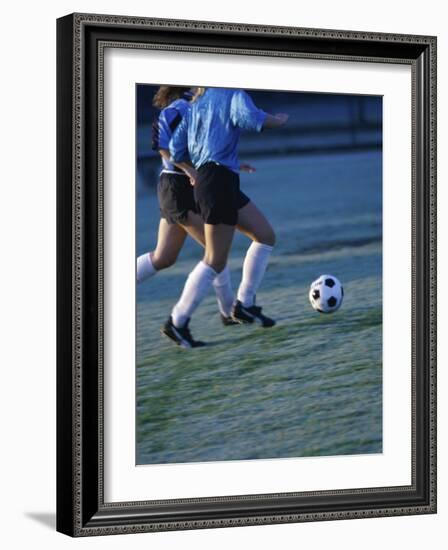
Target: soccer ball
(326, 294)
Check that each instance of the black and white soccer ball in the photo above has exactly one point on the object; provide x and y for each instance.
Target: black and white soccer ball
(326, 294)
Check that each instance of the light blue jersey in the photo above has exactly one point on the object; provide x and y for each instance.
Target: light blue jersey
(211, 128)
(169, 119)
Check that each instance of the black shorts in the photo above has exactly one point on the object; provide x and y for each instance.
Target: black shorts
(217, 193)
(176, 197)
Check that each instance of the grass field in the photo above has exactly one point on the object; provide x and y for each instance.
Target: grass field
(312, 385)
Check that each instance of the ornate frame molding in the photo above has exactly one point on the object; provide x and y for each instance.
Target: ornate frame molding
(82, 511)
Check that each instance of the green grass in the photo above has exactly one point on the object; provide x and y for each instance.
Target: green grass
(310, 386)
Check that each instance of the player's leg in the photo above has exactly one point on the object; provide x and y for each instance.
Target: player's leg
(253, 224)
(222, 282)
(170, 240)
(215, 196)
(194, 226)
(218, 240)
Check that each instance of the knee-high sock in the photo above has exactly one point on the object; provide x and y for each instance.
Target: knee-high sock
(224, 292)
(196, 288)
(145, 267)
(254, 267)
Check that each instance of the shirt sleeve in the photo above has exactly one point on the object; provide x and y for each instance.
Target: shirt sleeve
(244, 113)
(169, 120)
(178, 144)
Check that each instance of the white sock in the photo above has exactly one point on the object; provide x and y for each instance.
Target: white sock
(145, 267)
(196, 288)
(224, 292)
(255, 262)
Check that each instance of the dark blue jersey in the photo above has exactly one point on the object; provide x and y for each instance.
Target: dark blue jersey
(162, 130)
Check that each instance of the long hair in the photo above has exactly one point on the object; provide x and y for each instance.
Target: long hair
(167, 94)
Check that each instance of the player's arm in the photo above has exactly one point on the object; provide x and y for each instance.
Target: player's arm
(244, 114)
(185, 166)
(275, 121)
(244, 167)
(178, 143)
(247, 116)
(178, 151)
(168, 122)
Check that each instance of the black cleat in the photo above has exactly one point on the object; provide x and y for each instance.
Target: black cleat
(182, 336)
(251, 314)
(228, 321)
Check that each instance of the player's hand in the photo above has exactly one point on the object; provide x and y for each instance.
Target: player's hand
(247, 168)
(193, 175)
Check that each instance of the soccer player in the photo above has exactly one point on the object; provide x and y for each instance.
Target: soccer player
(209, 135)
(177, 206)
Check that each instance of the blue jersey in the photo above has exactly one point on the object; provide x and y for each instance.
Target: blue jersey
(163, 128)
(211, 128)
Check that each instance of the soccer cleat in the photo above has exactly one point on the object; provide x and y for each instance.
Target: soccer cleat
(228, 321)
(251, 314)
(181, 336)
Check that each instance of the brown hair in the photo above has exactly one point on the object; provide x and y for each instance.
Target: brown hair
(167, 94)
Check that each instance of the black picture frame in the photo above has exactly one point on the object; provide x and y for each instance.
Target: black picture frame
(81, 510)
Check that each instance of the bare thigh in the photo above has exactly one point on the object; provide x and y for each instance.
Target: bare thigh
(194, 226)
(170, 241)
(218, 240)
(252, 222)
